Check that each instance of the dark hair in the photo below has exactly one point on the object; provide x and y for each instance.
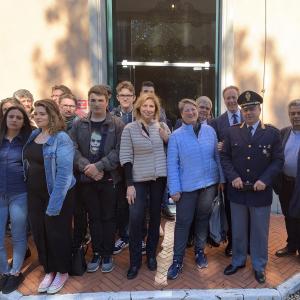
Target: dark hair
(56, 121)
(147, 83)
(11, 100)
(67, 96)
(231, 87)
(25, 130)
(63, 88)
(99, 90)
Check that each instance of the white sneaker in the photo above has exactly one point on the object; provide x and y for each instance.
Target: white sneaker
(58, 283)
(46, 282)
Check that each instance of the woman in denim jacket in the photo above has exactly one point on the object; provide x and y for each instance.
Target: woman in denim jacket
(14, 131)
(48, 162)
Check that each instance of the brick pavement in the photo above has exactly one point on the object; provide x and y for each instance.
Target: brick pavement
(278, 269)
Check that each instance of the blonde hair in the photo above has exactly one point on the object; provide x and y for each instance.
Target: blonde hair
(185, 101)
(141, 100)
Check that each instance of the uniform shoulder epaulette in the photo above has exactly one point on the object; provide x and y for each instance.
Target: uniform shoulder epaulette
(271, 126)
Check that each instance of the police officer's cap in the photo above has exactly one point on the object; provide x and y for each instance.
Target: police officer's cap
(248, 98)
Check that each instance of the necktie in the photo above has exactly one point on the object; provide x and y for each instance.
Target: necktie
(235, 119)
(250, 128)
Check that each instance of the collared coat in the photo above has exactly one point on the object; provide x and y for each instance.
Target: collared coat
(259, 157)
(58, 153)
(81, 135)
(221, 125)
(294, 207)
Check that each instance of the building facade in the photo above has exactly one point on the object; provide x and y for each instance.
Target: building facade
(187, 48)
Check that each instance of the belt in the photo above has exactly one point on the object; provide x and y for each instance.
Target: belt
(289, 178)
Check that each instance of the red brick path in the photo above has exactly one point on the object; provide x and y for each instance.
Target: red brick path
(278, 269)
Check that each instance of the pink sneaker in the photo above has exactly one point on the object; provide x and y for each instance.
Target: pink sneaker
(58, 283)
(46, 282)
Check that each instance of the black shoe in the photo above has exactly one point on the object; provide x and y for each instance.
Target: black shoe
(12, 283)
(260, 276)
(132, 272)
(228, 250)
(3, 279)
(230, 269)
(167, 214)
(284, 252)
(212, 243)
(27, 254)
(152, 263)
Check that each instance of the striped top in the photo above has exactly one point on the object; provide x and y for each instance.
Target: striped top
(146, 153)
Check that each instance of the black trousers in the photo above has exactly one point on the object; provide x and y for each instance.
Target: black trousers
(228, 214)
(155, 190)
(100, 199)
(122, 213)
(292, 224)
(52, 235)
(80, 222)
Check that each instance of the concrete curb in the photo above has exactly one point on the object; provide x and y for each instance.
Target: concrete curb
(281, 292)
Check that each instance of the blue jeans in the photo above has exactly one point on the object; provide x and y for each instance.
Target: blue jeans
(14, 205)
(197, 203)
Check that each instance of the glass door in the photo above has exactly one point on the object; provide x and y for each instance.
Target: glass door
(169, 42)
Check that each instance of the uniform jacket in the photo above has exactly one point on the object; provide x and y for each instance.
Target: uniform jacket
(81, 135)
(58, 153)
(252, 159)
(221, 125)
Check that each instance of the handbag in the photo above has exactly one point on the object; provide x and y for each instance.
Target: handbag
(78, 267)
(218, 225)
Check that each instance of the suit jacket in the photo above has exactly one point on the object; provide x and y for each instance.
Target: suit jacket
(221, 125)
(259, 157)
(294, 204)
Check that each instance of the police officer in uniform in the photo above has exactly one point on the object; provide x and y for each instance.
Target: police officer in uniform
(251, 158)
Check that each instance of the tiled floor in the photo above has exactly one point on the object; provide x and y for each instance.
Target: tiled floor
(278, 269)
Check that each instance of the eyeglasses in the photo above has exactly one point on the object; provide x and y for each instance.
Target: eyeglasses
(69, 106)
(204, 107)
(125, 96)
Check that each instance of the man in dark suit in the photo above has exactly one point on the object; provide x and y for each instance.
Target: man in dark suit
(221, 124)
(289, 181)
(251, 158)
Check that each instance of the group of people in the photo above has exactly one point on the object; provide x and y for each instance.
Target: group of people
(67, 174)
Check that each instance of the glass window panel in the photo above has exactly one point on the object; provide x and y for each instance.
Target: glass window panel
(170, 31)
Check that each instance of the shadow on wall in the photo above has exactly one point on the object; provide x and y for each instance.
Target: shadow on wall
(70, 52)
(282, 86)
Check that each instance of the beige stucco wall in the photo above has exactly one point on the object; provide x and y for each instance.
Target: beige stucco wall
(48, 42)
(243, 52)
(43, 43)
